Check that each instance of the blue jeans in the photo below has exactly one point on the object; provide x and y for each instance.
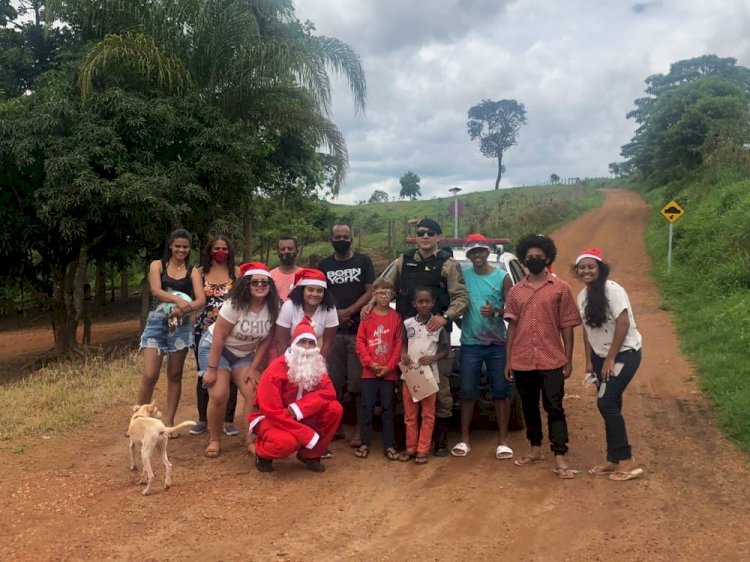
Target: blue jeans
(472, 357)
(227, 360)
(372, 389)
(156, 334)
(610, 404)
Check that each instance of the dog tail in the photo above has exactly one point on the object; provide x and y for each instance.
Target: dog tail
(179, 426)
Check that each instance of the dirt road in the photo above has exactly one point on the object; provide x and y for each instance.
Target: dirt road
(72, 497)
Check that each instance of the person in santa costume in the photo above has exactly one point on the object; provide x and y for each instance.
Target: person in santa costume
(295, 406)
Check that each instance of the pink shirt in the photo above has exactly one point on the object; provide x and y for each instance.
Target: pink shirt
(283, 282)
(540, 314)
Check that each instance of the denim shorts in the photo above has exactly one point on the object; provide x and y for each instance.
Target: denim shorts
(227, 359)
(156, 334)
(472, 358)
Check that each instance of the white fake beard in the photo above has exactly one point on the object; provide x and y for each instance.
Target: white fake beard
(306, 367)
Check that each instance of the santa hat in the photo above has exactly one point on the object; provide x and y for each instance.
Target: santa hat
(304, 330)
(474, 241)
(593, 253)
(254, 268)
(314, 277)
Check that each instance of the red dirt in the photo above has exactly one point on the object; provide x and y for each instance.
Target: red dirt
(72, 497)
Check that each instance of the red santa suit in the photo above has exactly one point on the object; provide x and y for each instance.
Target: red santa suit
(317, 414)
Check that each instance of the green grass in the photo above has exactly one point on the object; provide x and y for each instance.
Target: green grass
(708, 289)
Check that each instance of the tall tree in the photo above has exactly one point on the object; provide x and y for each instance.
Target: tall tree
(496, 124)
(410, 186)
(378, 196)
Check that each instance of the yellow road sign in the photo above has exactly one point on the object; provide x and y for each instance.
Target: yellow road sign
(672, 211)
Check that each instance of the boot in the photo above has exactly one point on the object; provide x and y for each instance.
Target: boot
(440, 438)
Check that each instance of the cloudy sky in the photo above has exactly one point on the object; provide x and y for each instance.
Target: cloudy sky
(577, 66)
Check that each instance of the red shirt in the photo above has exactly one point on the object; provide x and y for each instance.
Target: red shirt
(540, 314)
(379, 341)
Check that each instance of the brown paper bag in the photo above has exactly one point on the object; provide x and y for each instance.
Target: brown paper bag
(420, 381)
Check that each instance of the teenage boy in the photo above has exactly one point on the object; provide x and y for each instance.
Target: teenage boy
(541, 313)
(350, 277)
(283, 275)
(483, 343)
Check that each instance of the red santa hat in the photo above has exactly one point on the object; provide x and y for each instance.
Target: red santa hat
(593, 253)
(474, 241)
(304, 330)
(314, 277)
(254, 268)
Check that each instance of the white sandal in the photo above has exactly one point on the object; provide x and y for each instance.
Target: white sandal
(460, 449)
(503, 453)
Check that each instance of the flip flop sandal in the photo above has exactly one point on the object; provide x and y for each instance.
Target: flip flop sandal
(406, 456)
(526, 460)
(621, 476)
(503, 453)
(461, 449)
(421, 459)
(600, 471)
(363, 452)
(566, 473)
(212, 451)
(391, 454)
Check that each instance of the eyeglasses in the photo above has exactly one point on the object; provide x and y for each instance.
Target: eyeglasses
(259, 283)
(383, 293)
(423, 233)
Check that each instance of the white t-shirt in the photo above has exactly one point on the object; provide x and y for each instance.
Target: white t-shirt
(290, 315)
(421, 342)
(248, 331)
(601, 338)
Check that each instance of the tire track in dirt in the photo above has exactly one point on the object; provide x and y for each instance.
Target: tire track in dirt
(72, 498)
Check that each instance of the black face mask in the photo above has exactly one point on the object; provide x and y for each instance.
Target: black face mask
(536, 265)
(287, 258)
(341, 246)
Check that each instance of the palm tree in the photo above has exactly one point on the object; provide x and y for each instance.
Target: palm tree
(252, 58)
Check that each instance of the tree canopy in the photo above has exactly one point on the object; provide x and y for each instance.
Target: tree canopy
(699, 104)
(410, 186)
(496, 124)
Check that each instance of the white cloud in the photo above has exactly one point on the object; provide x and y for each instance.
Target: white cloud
(576, 65)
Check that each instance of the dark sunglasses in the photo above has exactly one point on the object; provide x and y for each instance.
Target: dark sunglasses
(259, 283)
(423, 233)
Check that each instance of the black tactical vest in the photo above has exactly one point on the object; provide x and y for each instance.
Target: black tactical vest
(424, 273)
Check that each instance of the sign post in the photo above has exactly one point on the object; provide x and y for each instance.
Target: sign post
(672, 212)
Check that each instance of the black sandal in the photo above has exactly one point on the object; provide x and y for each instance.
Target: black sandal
(406, 456)
(363, 452)
(391, 454)
(420, 459)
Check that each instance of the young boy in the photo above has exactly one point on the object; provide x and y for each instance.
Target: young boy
(421, 347)
(378, 349)
(540, 310)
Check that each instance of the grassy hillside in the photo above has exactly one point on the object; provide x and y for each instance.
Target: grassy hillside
(709, 289)
(508, 213)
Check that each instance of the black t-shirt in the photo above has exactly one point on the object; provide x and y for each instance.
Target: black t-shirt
(346, 282)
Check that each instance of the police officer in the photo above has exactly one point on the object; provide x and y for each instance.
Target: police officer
(429, 266)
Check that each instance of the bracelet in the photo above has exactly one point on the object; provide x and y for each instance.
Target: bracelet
(211, 367)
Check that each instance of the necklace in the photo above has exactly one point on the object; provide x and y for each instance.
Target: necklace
(176, 266)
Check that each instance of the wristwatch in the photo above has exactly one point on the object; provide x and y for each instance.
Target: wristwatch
(444, 315)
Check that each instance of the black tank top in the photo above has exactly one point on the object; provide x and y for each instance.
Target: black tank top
(184, 285)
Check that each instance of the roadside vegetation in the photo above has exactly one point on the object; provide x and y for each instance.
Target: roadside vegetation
(692, 146)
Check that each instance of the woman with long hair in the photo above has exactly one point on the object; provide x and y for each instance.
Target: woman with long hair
(235, 346)
(219, 273)
(613, 353)
(309, 298)
(175, 295)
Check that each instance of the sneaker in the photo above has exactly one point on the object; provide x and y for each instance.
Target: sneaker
(263, 464)
(199, 428)
(231, 429)
(327, 454)
(313, 465)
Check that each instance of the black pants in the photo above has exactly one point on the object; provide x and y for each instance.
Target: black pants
(202, 396)
(610, 404)
(372, 389)
(551, 386)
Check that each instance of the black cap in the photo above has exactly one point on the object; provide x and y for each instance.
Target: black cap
(430, 224)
